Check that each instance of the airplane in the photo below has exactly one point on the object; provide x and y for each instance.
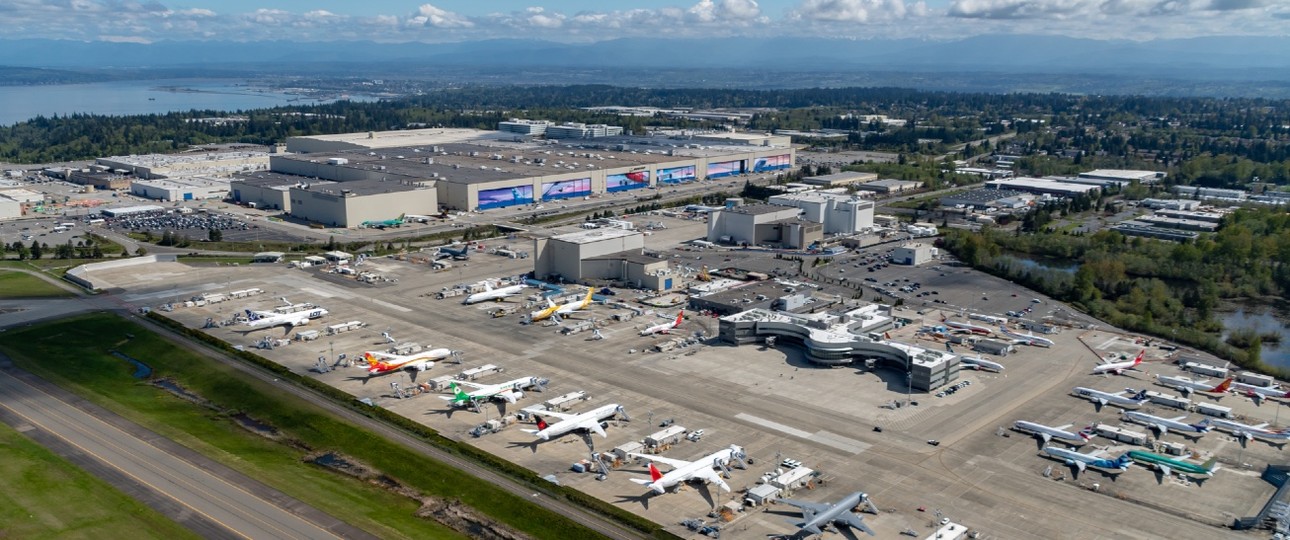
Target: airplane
(1028, 339)
(815, 516)
(564, 309)
(1259, 393)
(1163, 425)
(459, 254)
(978, 363)
(1250, 432)
(1187, 385)
(380, 363)
(1048, 433)
(1167, 464)
(509, 391)
(381, 224)
(256, 320)
(683, 471)
(1103, 398)
(587, 421)
(417, 218)
(1119, 367)
(975, 329)
(664, 327)
(489, 293)
(1083, 461)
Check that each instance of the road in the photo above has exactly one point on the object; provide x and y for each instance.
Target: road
(210, 503)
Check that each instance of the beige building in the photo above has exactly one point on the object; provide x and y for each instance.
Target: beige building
(349, 204)
(763, 224)
(841, 179)
(563, 255)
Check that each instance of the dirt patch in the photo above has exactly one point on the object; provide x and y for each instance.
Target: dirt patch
(452, 513)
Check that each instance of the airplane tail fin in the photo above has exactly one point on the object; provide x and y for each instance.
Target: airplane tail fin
(1203, 425)
(1142, 394)
(680, 315)
(541, 424)
(1211, 465)
(252, 316)
(654, 475)
(1138, 359)
(1223, 386)
(1086, 433)
(371, 360)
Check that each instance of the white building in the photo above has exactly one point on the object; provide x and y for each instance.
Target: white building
(9, 208)
(524, 127)
(758, 224)
(577, 130)
(840, 214)
(913, 254)
(1123, 176)
(188, 189)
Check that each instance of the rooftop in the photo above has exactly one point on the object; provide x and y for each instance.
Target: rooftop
(984, 195)
(847, 177)
(360, 187)
(633, 256)
(1043, 185)
(1122, 174)
(594, 235)
(269, 179)
(390, 139)
(759, 209)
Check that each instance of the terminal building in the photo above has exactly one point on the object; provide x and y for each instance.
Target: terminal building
(763, 224)
(840, 214)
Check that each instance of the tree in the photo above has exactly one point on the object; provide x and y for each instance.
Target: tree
(35, 250)
(214, 235)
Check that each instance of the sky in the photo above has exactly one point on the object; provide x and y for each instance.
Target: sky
(148, 21)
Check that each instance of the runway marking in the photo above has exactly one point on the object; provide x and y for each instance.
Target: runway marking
(1107, 344)
(773, 425)
(845, 444)
(391, 306)
(318, 292)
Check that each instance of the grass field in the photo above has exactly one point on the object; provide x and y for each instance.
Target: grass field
(22, 285)
(106, 380)
(44, 496)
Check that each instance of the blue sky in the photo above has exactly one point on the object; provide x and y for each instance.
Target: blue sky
(149, 21)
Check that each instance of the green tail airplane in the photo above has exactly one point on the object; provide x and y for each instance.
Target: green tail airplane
(396, 222)
(1167, 464)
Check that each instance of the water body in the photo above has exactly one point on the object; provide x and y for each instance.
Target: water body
(19, 103)
(1277, 354)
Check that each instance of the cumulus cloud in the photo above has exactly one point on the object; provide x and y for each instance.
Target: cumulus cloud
(856, 11)
(429, 15)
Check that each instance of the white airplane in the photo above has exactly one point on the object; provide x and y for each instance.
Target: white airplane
(978, 363)
(256, 320)
(1048, 433)
(564, 309)
(380, 363)
(1118, 398)
(489, 293)
(683, 471)
(1083, 461)
(587, 421)
(966, 326)
(1028, 339)
(1163, 425)
(1259, 393)
(1249, 432)
(509, 391)
(1186, 385)
(664, 327)
(1119, 367)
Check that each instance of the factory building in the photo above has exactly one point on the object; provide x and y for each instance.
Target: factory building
(1123, 177)
(524, 127)
(1171, 204)
(578, 130)
(887, 187)
(268, 190)
(1134, 228)
(840, 214)
(349, 204)
(10, 208)
(763, 224)
(588, 254)
(100, 177)
(984, 199)
(841, 179)
(181, 189)
(756, 295)
(633, 268)
(156, 166)
(1044, 186)
(476, 170)
(913, 254)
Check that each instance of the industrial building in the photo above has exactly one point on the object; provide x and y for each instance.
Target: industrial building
(763, 224)
(1043, 186)
(887, 187)
(1123, 177)
(349, 204)
(1133, 228)
(477, 170)
(578, 130)
(524, 127)
(155, 166)
(604, 255)
(840, 214)
(985, 199)
(841, 179)
(1170, 204)
(1168, 222)
(100, 177)
(268, 190)
(755, 295)
(913, 254)
(181, 189)
(10, 209)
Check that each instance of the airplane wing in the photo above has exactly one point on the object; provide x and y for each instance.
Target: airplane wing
(1260, 426)
(854, 521)
(470, 385)
(594, 427)
(1180, 418)
(712, 476)
(1164, 430)
(557, 415)
(1101, 401)
(1164, 469)
(675, 463)
(1067, 426)
(813, 507)
(1081, 465)
(1046, 437)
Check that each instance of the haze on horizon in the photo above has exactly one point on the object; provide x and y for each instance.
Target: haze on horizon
(441, 21)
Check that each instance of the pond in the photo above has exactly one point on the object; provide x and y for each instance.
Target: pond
(1266, 321)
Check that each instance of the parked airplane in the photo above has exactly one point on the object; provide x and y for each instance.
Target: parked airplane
(417, 218)
(815, 516)
(510, 391)
(1187, 386)
(1083, 461)
(381, 224)
(682, 471)
(1119, 367)
(587, 421)
(564, 309)
(975, 329)
(1249, 432)
(380, 363)
(1027, 339)
(1163, 425)
(664, 327)
(1048, 433)
(256, 320)
(1260, 393)
(978, 363)
(1167, 464)
(489, 293)
(1118, 398)
(459, 254)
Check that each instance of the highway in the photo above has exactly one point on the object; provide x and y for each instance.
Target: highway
(238, 510)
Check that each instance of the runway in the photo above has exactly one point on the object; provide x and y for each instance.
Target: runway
(210, 499)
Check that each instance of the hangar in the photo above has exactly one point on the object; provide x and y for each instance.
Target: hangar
(349, 204)
(603, 255)
(758, 224)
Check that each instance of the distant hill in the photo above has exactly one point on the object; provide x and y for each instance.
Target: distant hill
(28, 76)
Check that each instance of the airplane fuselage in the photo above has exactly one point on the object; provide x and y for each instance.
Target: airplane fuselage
(1072, 457)
(1107, 398)
(1164, 424)
(493, 294)
(577, 421)
(1051, 432)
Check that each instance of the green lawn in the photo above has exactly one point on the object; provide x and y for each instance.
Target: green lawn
(23, 285)
(44, 496)
(106, 380)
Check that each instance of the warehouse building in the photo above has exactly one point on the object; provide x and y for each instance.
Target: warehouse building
(268, 190)
(155, 166)
(1171, 204)
(181, 189)
(1123, 177)
(349, 204)
(840, 214)
(1134, 228)
(842, 179)
(887, 187)
(578, 130)
(1044, 186)
(763, 224)
(913, 254)
(562, 256)
(984, 199)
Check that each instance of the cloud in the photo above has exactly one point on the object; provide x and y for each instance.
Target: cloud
(125, 39)
(1022, 9)
(854, 11)
(429, 15)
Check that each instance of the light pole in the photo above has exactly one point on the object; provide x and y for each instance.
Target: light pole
(909, 385)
